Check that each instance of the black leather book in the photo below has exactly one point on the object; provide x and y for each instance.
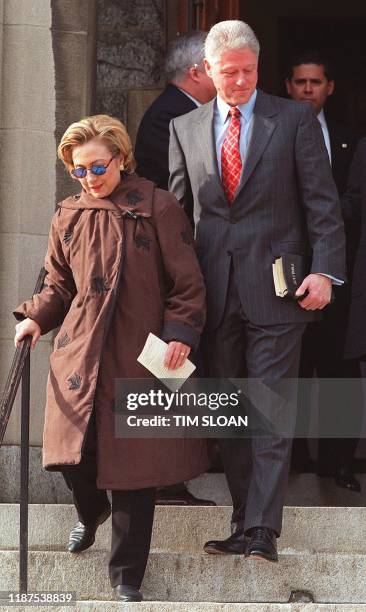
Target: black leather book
(289, 270)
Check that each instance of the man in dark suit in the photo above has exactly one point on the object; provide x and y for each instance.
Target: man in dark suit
(188, 87)
(257, 168)
(311, 79)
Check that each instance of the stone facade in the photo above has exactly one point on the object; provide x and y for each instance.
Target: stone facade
(131, 42)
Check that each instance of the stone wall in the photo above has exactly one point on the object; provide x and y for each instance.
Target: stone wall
(131, 42)
(73, 44)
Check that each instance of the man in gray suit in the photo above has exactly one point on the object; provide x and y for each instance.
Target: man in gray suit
(258, 171)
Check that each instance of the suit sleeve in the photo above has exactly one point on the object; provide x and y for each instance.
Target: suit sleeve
(49, 307)
(351, 199)
(320, 198)
(179, 182)
(185, 309)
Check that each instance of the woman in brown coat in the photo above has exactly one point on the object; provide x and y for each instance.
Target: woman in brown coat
(120, 264)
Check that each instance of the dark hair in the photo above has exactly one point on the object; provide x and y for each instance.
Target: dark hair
(311, 56)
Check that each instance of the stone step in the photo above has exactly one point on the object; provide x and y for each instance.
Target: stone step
(161, 606)
(49, 487)
(303, 490)
(185, 529)
(335, 578)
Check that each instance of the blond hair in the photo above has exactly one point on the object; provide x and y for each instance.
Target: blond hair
(108, 129)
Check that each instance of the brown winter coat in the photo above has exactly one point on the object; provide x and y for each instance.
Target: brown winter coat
(118, 268)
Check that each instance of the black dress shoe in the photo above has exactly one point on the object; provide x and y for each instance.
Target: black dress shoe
(234, 545)
(83, 536)
(262, 544)
(165, 497)
(126, 592)
(345, 479)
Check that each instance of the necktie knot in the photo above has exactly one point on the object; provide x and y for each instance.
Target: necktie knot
(234, 112)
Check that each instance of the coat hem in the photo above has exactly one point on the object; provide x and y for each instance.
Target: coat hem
(57, 467)
(147, 483)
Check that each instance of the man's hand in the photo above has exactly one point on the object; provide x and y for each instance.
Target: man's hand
(176, 354)
(319, 289)
(28, 327)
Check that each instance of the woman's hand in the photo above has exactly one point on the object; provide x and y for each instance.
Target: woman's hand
(176, 354)
(28, 327)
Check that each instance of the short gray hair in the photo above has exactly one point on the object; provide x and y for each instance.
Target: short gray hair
(231, 34)
(183, 53)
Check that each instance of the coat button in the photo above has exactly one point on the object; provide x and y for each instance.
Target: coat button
(233, 220)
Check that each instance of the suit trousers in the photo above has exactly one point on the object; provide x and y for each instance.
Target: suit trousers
(132, 514)
(256, 469)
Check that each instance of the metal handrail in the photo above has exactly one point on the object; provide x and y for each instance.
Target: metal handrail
(16, 370)
(20, 371)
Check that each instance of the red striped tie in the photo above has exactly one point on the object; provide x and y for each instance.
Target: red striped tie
(231, 164)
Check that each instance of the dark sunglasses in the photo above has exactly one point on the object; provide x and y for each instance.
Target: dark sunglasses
(97, 169)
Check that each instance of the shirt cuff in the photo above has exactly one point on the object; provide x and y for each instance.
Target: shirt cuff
(335, 281)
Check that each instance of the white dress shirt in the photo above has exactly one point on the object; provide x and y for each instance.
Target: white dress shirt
(323, 124)
(190, 97)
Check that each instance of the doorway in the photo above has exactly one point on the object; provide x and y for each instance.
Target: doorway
(337, 29)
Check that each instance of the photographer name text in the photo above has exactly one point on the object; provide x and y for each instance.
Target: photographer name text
(182, 420)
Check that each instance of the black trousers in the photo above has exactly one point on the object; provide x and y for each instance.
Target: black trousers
(256, 468)
(322, 353)
(132, 515)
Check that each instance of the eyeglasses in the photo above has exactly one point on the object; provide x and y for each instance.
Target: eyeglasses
(97, 169)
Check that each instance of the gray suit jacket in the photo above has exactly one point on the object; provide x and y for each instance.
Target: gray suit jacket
(286, 202)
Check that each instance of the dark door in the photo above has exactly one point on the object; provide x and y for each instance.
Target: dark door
(343, 41)
(336, 28)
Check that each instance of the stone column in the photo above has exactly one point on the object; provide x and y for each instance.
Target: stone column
(27, 186)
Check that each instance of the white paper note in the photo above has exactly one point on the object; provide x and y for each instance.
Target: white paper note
(152, 358)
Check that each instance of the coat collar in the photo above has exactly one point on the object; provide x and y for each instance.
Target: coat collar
(132, 196)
